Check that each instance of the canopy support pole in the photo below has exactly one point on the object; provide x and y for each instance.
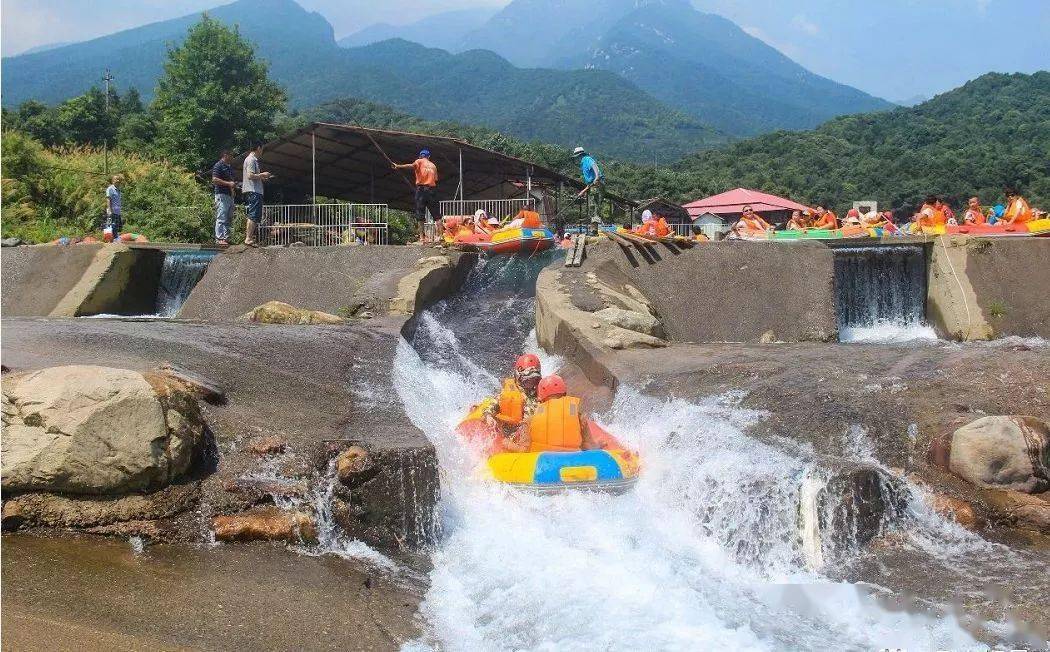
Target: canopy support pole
(459, 191)
(313, 167)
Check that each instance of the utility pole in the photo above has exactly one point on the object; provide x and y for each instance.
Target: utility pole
(108, 77)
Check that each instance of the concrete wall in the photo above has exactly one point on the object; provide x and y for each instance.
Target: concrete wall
(331, 279)
(982, 288)
(729, 291)
(79, 280)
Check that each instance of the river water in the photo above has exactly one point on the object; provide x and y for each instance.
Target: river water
(713, 549)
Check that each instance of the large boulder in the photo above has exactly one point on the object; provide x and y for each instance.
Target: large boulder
(277, 312)
(1002, 452)
(95, 430)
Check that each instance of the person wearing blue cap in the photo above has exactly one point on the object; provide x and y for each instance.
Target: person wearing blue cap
(426, 192)
(594, 180)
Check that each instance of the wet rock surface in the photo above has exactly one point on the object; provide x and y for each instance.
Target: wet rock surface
(304, 387)
(266, 524)
(89, 594)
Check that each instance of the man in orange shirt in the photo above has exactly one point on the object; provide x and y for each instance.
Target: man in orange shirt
(824, 219)
(426, 191)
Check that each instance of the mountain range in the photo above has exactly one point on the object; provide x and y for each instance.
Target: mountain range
(699, 63)
(446, 30)
(636, 79)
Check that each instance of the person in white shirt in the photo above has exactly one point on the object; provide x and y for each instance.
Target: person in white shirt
(252, 187)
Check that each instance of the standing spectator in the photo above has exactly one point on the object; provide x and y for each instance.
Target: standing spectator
(252, 185)
(114, 219)
(224, 186)
(426, 192)
(594, 179)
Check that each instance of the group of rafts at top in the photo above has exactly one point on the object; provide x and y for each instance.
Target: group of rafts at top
(935, 217)
(526, 233)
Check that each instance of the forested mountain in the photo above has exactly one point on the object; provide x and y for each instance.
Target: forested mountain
(990, 132)
(595, 108)
(702, 64)
(446, 30)
(711, 69)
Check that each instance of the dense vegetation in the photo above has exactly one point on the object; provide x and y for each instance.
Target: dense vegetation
(213, 94)
(49, 193)
(57, 160)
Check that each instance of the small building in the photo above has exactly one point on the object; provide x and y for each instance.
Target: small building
(711, 225)
(729, 206)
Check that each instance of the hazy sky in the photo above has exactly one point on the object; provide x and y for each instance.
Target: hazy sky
(892, 48)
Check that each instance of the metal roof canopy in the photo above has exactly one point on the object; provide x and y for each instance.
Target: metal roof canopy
(354, 164)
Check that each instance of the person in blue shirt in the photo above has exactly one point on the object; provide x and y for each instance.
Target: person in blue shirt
(595, 183)
(114, 211)
(224, 186)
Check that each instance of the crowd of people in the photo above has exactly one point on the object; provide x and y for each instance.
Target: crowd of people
(935, 212)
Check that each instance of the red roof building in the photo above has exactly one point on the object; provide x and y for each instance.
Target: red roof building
(730, 204)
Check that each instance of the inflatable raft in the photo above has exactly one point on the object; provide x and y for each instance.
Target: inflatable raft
(508, 241)
(612, 468)
(1036, 227)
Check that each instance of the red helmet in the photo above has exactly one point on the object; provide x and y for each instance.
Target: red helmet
(527, 361)
(550, 386)
(853, 212)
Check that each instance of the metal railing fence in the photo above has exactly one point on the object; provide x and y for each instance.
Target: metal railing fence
(321, 225)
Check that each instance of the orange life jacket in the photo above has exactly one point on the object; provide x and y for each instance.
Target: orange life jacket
(662, 229)
(1018, 212)
(975, 216)
(932, 216)
(511, 403)
(531, 219)
(555, 426)
(753, 224)
(827, 221)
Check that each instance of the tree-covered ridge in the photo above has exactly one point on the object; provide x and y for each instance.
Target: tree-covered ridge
(991, 132)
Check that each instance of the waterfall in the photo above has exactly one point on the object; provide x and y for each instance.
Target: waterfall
(183, 269)
(881, 294)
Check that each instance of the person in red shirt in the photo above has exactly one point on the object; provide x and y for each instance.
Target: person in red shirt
(426, 191)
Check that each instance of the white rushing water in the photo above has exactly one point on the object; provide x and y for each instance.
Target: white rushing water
(888, 331)
(705, 553)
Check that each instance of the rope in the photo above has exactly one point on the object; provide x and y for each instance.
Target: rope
(388, 159)
(962, 291)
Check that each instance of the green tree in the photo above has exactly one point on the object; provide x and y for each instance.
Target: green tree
(214, 94)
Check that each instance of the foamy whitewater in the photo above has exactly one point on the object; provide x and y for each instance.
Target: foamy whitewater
(889, 332)
(706, 553)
